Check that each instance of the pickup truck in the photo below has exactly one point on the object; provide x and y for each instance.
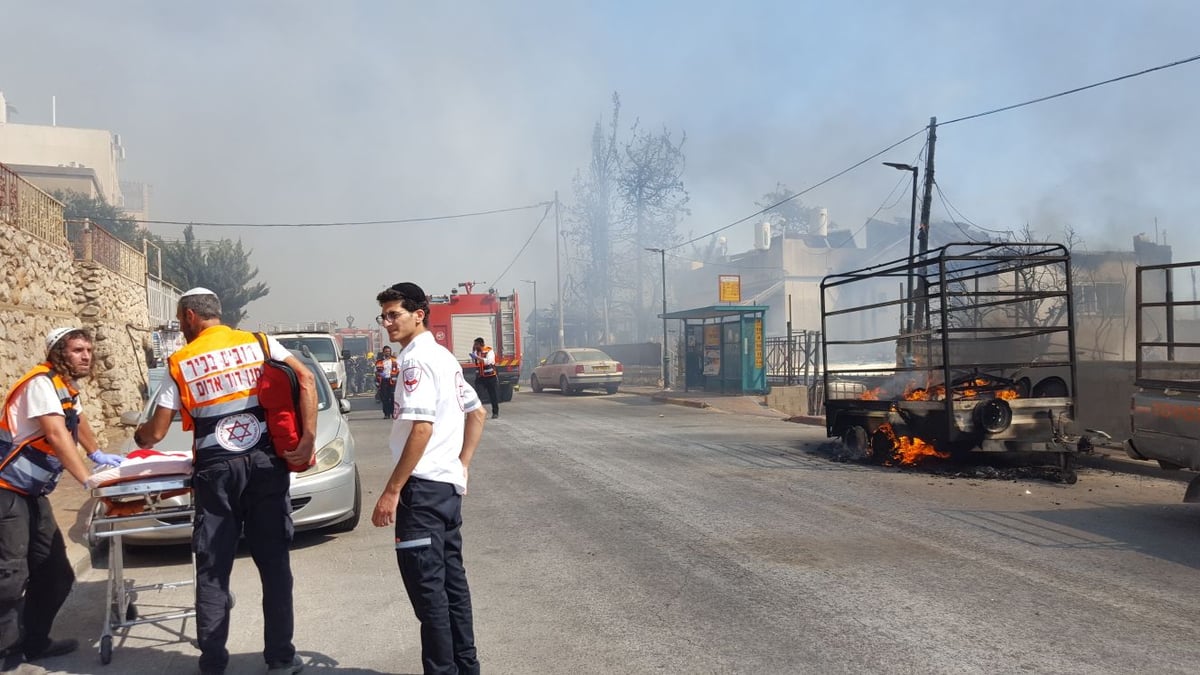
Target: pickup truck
(1165, 408)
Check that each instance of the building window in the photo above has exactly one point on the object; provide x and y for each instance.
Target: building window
(1100, 298)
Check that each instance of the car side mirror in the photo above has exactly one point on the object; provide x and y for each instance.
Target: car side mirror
(130, 418)
(344, 406)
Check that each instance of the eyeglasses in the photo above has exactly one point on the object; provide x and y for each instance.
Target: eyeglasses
(390, 317)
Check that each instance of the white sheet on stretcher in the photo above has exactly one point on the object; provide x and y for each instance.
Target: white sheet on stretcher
(135, 468)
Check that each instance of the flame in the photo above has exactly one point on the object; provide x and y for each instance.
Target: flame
(872, 394)
(1007, 394)
(908, 450)
(970, 393)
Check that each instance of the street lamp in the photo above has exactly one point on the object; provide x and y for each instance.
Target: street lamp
(666, 372)
(535, 319)
(912, 235)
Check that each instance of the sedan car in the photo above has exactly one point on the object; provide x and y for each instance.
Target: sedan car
(573, 370)
(327, 495)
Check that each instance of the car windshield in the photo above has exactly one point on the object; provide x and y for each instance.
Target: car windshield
(586, 355)
(321, 348)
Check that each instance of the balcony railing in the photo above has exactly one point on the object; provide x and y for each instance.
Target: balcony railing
(93, 243)
(27, 208)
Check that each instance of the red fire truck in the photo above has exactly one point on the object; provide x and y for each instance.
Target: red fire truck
(358, 341)
(458, 318)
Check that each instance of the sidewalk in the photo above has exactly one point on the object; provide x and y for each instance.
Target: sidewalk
(737, 405)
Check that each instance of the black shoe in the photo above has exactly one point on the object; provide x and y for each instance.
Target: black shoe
(495, 415)
(295, 666)
(53, 648)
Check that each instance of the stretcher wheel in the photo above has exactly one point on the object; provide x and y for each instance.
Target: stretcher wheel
(131, 612)
(106, 649)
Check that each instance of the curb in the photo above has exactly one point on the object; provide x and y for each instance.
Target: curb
(806, 419)
(687, 402)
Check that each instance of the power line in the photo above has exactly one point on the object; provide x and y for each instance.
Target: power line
(805, 190)
(951, 207)
(1074, 91)
(393, 221)
(549, 205)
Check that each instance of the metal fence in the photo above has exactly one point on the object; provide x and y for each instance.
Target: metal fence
(161, 300)
(27, 208)
(93, 243)
(794, 359)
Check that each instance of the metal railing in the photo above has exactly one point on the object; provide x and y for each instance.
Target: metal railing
(161, 300)
(27, 208)
(93, 243)
(794, 360)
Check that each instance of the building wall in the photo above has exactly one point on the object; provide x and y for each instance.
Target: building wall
(53, 146)
(42, 288)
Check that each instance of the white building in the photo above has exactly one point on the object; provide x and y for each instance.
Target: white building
(54, 157)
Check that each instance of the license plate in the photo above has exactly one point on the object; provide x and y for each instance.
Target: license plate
(599, 368)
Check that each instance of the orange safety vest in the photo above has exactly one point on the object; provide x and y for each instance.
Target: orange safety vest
(485, 369)
(32, 468)
(217, 375)
(381, 364)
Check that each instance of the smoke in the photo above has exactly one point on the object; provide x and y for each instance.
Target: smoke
(307, 111)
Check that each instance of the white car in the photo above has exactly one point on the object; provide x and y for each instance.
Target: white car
(575, 369)
(327, 495)
(324, 348)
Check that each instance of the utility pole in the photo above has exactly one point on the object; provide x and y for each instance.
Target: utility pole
(666, 359)
(558, 273)
(922, 293)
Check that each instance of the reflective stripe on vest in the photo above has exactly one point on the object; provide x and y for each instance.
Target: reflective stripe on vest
(486, 369)
(32, 468)
(217, 375)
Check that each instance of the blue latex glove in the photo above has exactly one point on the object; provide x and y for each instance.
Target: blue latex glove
(105, 459)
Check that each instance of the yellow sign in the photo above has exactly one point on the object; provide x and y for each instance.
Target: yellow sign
(729, 288)
(758, 345)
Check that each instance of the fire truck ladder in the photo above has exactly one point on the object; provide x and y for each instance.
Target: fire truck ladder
(508, 331)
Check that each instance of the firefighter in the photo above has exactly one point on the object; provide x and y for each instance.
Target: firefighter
(239, 483)
(41, 427)
(387, 369)
(485, 361)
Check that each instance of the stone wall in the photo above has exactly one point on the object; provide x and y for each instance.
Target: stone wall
(42, 288)
(109, 304)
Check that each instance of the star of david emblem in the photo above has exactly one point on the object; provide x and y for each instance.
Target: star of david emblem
(239, 431)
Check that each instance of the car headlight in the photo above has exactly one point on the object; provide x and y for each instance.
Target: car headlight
(328, 457)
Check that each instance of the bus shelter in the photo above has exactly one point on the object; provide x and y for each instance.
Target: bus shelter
(724, 348)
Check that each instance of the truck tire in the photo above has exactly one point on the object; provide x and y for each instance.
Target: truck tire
(506, 393)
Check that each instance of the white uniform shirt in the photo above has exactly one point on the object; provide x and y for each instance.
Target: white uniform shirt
(36, 398)
(168, 392)
(432, 389)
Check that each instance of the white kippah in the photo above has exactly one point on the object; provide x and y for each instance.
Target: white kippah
(197, 291)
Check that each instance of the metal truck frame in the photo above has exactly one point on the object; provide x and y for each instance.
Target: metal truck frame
(1165, 407)
(975, 352)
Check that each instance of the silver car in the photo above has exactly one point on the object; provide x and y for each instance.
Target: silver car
(575, 369)
(327, 495)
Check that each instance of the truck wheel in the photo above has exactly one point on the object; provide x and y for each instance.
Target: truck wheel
(506, 392)
(535, 384)
(883, 449)
(855, 438)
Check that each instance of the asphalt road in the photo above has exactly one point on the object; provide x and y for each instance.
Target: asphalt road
(616, 534)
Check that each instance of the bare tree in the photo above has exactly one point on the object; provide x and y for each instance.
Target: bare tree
(653, 200)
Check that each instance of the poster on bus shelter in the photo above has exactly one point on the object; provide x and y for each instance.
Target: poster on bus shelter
(712, 350)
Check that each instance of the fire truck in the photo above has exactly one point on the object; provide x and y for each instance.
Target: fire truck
(358, 341)
(458, 318)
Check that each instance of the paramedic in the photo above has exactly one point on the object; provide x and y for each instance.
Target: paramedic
(387, 369)
(41, 426)
(239, 482)
(437, 427)
(485, 361)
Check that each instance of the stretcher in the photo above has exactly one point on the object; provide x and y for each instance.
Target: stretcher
(135, 505)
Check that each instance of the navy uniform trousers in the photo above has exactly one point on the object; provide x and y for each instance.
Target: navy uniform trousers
(429, 552)
(33, 564)
(251, 492)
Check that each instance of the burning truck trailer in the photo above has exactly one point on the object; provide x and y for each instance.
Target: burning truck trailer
(975, 352)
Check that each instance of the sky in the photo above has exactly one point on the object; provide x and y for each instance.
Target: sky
(277, 112)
